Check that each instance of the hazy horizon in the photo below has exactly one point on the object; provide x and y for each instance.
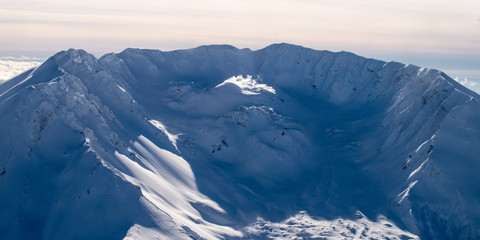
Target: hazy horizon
(444, 35)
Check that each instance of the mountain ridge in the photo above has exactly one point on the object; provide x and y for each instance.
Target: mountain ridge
(325, 136)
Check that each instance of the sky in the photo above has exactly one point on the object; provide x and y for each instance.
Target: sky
(441, 34)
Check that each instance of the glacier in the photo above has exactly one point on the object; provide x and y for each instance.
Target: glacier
(216, 142)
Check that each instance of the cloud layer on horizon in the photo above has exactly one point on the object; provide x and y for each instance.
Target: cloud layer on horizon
(10, 69)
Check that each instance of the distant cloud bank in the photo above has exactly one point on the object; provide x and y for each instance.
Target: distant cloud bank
(467, 83)
(469, 78)
(11, 66)
(21, 58)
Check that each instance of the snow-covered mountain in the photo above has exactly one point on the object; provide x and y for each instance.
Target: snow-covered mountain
(224, 143)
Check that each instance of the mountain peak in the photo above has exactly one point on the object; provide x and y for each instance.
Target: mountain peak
(75, 61)
(285, 46)
(218, 47)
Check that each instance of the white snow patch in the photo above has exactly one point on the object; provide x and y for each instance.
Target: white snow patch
(122, 89)
(167, 181)
(421, 145)
(432, 139)
(302, 226)
(418, 169)
(248, 85)
(406, 192)
(141, 232)
(171, 137)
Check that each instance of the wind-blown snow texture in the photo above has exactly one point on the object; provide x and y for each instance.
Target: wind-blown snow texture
(217, 142)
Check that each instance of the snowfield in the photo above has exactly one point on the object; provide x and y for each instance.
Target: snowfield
(217, 142)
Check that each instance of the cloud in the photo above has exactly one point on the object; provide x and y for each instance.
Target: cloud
(465, 82)
(10, 69)
(21, 58)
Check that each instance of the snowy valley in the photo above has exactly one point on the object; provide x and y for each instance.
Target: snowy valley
(217, 142)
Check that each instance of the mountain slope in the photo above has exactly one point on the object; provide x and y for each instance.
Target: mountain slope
(218, 142)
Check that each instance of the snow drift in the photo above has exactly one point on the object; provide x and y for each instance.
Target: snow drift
(223, 143)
